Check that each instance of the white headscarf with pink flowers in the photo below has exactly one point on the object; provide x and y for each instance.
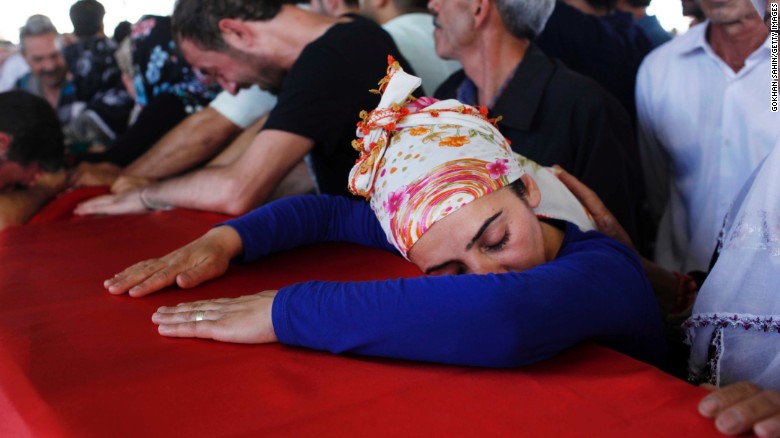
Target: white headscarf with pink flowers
(423, 160)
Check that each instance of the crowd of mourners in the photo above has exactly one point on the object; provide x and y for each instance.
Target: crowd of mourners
(560, 171)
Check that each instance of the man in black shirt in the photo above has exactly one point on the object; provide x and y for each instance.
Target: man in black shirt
(320, 67)
(549, 113)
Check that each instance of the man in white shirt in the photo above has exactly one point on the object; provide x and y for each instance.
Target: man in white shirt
(411, 26)
(705, 123)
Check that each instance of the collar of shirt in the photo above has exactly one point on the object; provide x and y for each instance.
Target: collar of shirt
(698, 42)
(520, 101)
(520, 97)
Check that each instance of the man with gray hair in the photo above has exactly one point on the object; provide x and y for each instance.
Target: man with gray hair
(49, 78)
(41, 47)
(551, 114)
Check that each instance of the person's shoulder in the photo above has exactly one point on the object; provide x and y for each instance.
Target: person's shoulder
(104, 45)
(357, 48)
(604, 259)
(565, 13)
(592, 32)
(597, 247)
(668, 62)
(354, 38)
(354, 26)
(580, 89)
(25, 81)
(409, 22)
(72, 50)
(666, 54)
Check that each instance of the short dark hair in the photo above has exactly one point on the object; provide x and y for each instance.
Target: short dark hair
(198, 20)
(87, 17)
(639, 3)
(35, 131)
(518, 188)
(122, 31)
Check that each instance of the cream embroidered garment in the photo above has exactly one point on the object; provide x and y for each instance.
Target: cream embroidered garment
(734, 331)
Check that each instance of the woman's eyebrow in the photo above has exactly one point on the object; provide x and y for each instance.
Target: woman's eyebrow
(482, 229)
(476, 237)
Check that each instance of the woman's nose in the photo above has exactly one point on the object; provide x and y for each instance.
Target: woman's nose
(486, 265)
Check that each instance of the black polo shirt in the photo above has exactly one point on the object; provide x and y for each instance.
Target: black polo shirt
(553, 115)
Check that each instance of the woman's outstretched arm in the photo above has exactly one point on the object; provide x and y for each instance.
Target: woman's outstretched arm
(299, 220)
(280, 225)
(595, 289)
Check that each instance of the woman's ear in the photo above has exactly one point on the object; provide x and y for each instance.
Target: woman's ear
(236, 33)
(532, 194)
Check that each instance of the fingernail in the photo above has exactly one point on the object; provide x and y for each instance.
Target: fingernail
(728, 421)
(709, 406)
(768, 428)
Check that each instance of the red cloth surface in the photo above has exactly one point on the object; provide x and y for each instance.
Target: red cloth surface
(77, 361)
(61, 207)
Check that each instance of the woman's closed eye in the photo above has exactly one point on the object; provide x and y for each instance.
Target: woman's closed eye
(499, 245)
(451, 268)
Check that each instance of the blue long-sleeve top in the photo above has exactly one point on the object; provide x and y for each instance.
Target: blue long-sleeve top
(594, 289)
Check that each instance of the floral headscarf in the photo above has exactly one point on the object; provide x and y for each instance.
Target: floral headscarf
(160, 68)
(423, 160)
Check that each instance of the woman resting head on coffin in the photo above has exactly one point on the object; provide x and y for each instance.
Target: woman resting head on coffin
(516, 272)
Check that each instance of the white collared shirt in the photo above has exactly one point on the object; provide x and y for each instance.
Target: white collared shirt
(703, 129)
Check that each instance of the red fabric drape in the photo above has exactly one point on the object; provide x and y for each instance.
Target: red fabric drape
(77, 361)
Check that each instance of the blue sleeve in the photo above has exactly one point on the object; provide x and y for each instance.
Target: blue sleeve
(299, 220)
(597, 290)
